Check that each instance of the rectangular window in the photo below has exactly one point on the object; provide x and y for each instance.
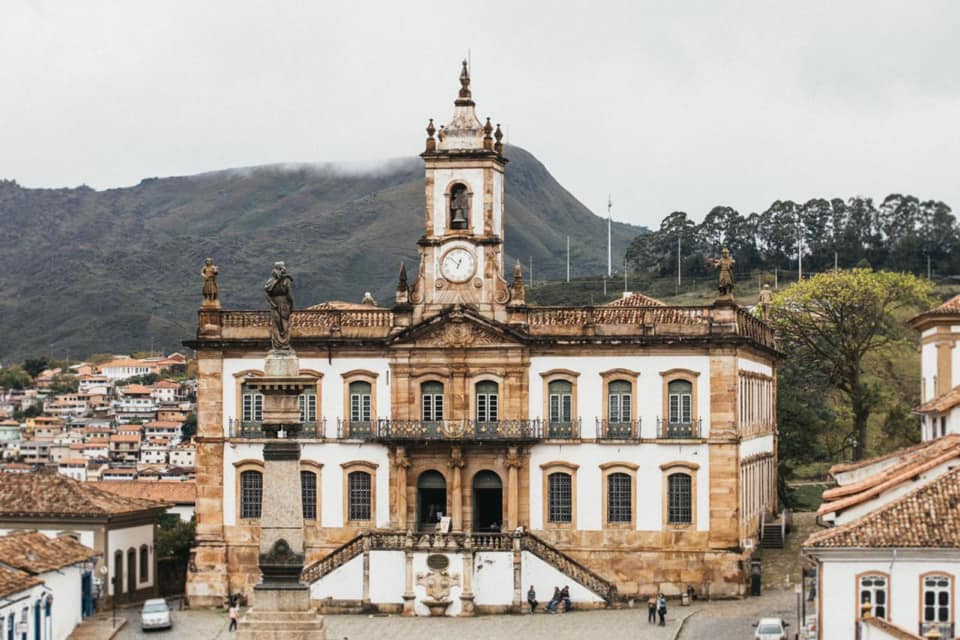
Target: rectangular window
(680, 408)
(487, 407)
(873, 589)
(251, 494)
(432, 407)
(144, 564)
(679, 499)
(561, 407)
(252, 407)
(560, 497)
(308, 407)
(936, 605)
(359, 495)
(360, 407)
(619, 498)
(308, 494)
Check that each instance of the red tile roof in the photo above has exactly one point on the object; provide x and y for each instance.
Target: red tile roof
(35, 553)
(941, 404)
(54, 494)
(163, 490)
(12, 581)
(636, 300)
(927, 517)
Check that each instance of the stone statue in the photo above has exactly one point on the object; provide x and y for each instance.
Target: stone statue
(211, 293)
(724, 266)
(279, 290)
(766, 301)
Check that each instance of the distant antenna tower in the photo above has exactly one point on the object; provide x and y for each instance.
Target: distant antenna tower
(609, 236)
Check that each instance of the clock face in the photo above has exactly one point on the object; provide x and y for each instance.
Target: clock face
(458, 265)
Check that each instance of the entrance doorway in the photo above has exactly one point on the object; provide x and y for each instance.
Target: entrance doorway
(132, 574)
(431, 500)
(487, 502)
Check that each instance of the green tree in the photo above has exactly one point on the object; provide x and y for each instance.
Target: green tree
(189, 427)
(834, 321)
(14, 378)
(174, 537)
(35, 366)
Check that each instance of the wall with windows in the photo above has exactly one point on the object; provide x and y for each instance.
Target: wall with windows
(17, 607)
(124, 540)
(649, 488)
(331, 477)
(896, 584)
(65, 611)
(589, 389)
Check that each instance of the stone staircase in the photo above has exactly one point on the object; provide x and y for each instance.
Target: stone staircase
(773, 535)
(380, 540)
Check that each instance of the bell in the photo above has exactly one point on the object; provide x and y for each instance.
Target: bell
(459, 218)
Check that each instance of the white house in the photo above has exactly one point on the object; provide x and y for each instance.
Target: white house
(65, 568)
(22, 596)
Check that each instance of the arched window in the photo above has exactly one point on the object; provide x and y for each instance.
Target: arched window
(560, 497)
(680, 399)
(308, 494)
(360, 403)
(251, 494)
(251, 406)
(488, 401)
(873, 589)
(937, 607)
(561, 402)
(619, 401)
(431, 401)
(359, 507)
(619, 498)
(679, 498)
(11, 626)
(144, 563)
(117, 573)
(459, 207)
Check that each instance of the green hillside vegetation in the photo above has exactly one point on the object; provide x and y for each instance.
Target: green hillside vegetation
(84, 271)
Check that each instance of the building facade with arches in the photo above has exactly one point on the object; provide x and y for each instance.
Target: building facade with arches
(631, 444)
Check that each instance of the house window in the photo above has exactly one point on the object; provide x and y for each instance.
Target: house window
(679, 499)
(144, 563)
(308, 407)
(619, 398)
(251, 494)
(252, 407)
(359, 497)
(680, 399)
(873, 589)
(431, 401)
(308, 494)
(561, 402)
(488, 401)
(560, 498)
(360, 402)
(619, 498)
(936, 601)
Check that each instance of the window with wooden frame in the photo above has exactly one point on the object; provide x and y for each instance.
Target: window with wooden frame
(251, 406)
(679, 493)
(251, 494)
(487, 401)
(620, 402)
(619, 494)
(559, 494)
(359, 402)
(144, 563)
(308, 494)
(359, 492)
(431, 401)
(873, 588)
(936, 603)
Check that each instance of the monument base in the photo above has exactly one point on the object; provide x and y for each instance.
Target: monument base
(282, 614)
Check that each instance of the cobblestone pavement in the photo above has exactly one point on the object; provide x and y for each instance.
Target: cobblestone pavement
(193, 624)
(733, 619)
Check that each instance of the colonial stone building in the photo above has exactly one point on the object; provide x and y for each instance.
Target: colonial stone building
(462, 442)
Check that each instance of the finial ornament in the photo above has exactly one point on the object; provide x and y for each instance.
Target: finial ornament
(465, 81)
(487, 138)
(431, 142)
(498, 136)
(211, 292)
(517, 294)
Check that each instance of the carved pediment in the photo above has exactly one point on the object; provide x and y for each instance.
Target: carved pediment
(457, 330)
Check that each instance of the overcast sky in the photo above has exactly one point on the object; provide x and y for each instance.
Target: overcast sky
(665, 105)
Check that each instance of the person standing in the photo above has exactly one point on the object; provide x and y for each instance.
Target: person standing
(233, 612)
(662, 609)
(532, 599)
(652, 609)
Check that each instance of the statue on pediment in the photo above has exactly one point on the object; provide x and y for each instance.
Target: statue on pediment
(279, 289)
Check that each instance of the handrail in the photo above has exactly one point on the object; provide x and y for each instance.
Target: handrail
(618, 430)
(308, 431)
(311, 318)
(550, 554)
(690, 430)
(333, 560)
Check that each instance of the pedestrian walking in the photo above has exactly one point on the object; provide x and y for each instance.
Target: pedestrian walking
(233, 613)
(532, 599)
(652, 609)
(662, 609)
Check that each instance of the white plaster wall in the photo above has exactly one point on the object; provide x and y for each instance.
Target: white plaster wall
(544, 577)
(331, 455)
(648, 502)
(420, 592)
(493, 578)
(753, 446)
(124, 539)
(331, 387)
(848, 515)
(498, 206)
(343, 583)
(649, 396)
(67, 588)
(840, 589)
(756, 367)
(387, 576)
(928, 370)
(474, 181)
(12, 603)
(184, 511)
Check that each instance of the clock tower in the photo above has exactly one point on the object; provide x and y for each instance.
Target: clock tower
(461, 251)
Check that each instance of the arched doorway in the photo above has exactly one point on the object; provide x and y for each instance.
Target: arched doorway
(431, 500)
(487, 502)
(132, 574)
(117, 573)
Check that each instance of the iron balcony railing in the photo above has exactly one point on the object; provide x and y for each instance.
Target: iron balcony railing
(421, 430)
(679, 430)
(356, 430)
(241, 429)
(618, 430)
(567, 430)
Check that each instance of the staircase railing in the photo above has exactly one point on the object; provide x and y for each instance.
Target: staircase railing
(565, 564)
(333, 560)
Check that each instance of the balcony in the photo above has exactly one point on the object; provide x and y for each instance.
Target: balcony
(562, 430)
(679, 430)
(618, 430)
(458, 430)
(255, 430)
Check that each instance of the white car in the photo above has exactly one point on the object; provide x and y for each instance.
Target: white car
(771, 629)
(155, 614)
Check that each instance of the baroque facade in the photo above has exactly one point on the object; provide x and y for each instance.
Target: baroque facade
(629, 447)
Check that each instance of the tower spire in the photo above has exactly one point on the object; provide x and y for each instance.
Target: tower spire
(464, 98)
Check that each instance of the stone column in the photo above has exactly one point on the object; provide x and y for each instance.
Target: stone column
(365, 598)
(513, 489)
(408, 595)
(456, 488)
(401, 464)
(517, 587)
(466, 595)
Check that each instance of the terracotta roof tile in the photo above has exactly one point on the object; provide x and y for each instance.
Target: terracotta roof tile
(42, 494)
(35, 553)
(135, 389)
(635, 300)
(927, 517)
(941, 404)
(859, 464)
(12, 581)
(164, 490)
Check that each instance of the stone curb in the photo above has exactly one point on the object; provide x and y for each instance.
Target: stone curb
(683, 621)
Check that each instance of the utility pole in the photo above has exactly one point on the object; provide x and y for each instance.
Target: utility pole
(604, 287)
(568, 258)
(624, 274)
(928, 266)
(835, 262)
(609, 236)
(799, 254)
(678, 263)
(531, 271)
